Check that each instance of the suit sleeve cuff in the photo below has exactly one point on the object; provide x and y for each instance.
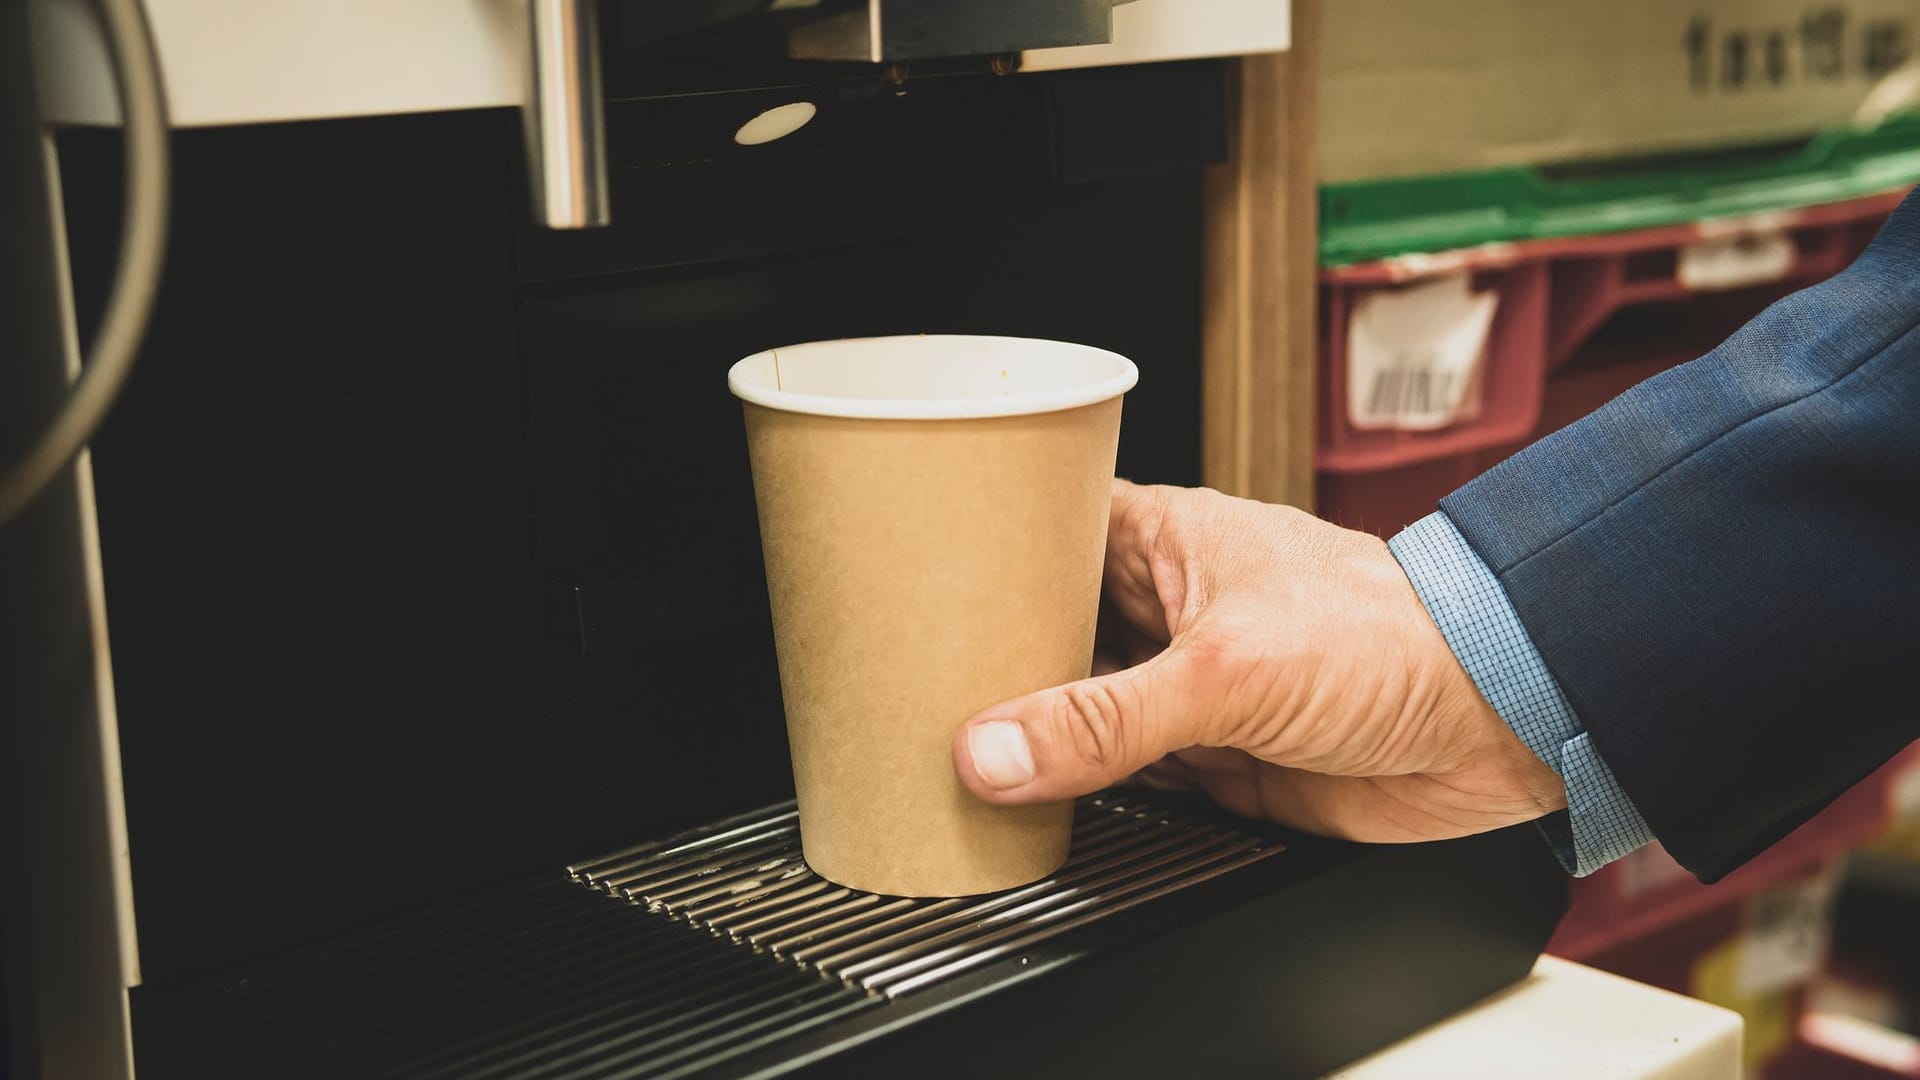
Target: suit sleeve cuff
(1480, 624)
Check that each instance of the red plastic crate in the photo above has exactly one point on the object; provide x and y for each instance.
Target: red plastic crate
(1552, 295)
(1503, 401)
(1386, 501)
(1646, 891)
(1839, 1048)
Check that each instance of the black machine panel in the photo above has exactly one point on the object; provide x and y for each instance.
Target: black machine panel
(315, 518)
(428, 535)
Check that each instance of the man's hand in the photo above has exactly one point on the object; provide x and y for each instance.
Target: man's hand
(1279, 664)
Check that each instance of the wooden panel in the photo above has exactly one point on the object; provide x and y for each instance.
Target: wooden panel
(1260, 344)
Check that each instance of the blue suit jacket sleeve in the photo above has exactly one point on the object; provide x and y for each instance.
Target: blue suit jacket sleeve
(1721, 567)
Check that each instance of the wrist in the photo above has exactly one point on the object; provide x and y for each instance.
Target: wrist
(1542, 785)
(1532, 787)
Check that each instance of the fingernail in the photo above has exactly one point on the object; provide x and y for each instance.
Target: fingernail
(1000, 754)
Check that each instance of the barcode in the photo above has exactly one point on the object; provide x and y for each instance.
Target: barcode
(1411, 390)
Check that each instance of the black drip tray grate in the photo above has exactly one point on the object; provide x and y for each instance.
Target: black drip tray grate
(540, 982)
(745, 881)
(730, 946)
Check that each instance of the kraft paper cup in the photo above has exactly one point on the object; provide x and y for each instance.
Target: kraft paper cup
(933, 512)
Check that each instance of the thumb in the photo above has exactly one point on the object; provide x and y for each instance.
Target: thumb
(1083, 736)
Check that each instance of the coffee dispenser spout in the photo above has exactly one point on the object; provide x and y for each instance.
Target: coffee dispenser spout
(562, 114)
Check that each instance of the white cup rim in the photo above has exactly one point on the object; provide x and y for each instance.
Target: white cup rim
(1121, 377)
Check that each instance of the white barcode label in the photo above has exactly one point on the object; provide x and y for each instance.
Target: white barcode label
(1720, 263)
(1784, 937)
(1414, 354)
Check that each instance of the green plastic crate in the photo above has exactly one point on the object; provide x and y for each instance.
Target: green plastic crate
(1364, 220)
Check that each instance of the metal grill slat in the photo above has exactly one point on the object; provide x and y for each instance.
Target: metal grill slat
(1044, 891)
(1035, 909)
(922, 913)
(836, 956)
(1011, 946)
(638, 879)
(777, 895)
(886, 968)
(834, 905)
(783, 908)
(719, 832)
(752, 887)
(778, 938)
(728, 884)
(910, 921)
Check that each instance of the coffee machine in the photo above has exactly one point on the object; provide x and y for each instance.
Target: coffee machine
(392, 692)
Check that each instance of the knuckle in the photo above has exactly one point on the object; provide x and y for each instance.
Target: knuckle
(1091, 716)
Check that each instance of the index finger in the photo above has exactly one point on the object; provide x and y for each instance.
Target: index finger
(1133, 529)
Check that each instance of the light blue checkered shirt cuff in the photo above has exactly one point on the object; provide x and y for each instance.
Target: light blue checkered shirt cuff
(1471, 608)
